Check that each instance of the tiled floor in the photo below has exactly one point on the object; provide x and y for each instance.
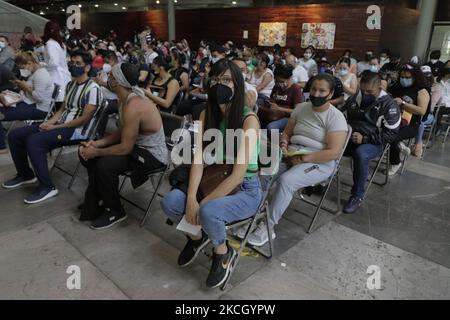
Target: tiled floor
(403, 229)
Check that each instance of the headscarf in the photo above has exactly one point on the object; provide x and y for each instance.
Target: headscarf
(122, 81)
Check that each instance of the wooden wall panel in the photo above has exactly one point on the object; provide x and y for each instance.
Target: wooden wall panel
(221, 25)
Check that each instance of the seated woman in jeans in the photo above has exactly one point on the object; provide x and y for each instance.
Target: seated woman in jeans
(225, 110)
(37, 94)
(315, 126)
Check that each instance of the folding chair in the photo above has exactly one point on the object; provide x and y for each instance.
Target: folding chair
(170, 123)
(336, 174)
(99, 116)
(178, 99)
(444, 140)
(267, 174)
(431, 129)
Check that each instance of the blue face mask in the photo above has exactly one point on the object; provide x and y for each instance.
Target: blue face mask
(406, 82)
(76, 71)
(374, 68)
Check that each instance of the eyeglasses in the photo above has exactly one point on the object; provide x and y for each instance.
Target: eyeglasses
(225, 80)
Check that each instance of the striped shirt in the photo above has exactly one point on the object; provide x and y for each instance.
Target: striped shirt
(77, 97)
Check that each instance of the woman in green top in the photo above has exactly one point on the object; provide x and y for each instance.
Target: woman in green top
(225, 110)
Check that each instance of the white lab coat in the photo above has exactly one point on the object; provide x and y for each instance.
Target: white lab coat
(56, 65)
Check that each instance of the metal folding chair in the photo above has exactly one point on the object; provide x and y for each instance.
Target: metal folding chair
(335, 175)
(444, 140)
(267, 175)
(99, 116)
(170, 123)
(431, 129)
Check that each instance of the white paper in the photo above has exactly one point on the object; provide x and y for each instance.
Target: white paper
(184, 226)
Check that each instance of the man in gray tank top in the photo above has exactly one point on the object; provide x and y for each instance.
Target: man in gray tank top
(138, 146)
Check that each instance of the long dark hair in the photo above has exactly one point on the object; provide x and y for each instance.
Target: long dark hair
(417, 74)
(52, 31)
(213, 115)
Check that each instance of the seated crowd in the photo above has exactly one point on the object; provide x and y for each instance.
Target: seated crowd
(307, 103)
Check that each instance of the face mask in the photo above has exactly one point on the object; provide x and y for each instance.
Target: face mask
(223, 93)
(383, 59)
(433, 61)
(110, 48)
(214, 60)
(323, 69)
(25, 73)
(368, 99)
(2, 45)
(244, 75)
(307, 56)
(343, 72)
(107, 68)
(405, 82)
(108, 85)
(373, 69)
(318, 101)
(282, 85)
(368, 57)
(249, 61)
(76, 71)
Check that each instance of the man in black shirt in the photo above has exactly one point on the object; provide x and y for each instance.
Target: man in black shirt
(435, 64)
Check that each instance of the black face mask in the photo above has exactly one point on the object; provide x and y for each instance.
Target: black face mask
(318, 101)
(368, 99)
(223, 94)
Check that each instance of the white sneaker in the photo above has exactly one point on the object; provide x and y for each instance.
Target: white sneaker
(259, 236)
(404, 150)
(240, 232)
(394, 169)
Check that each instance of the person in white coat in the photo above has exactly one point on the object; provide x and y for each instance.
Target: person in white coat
(55, 56)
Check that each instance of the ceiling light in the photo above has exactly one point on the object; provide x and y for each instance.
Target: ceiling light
(96, 5)
(124, 8)
(234, 2)
(116, 4)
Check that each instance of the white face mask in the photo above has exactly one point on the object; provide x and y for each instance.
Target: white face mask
(25, 73)
(214, 60)
(433, 61)
(107, 68)
(2, 45)
(343, 72)
(245, 76)
(307, 56)
(111, 48)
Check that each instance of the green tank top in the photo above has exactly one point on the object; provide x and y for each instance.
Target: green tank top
(253, 168)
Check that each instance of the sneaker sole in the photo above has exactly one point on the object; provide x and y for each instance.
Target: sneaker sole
(230, 267)
(260, 244)
(51, 194)
(19, 184)
(110, 225)
(203, 245)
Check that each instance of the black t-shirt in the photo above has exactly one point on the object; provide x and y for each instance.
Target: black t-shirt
(436, 68)
(176, 73)
(5, 78)
(145, 67)
(338, 90)
(409, 95)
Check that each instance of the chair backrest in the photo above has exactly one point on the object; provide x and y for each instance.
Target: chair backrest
(99, 118)
(177, 101)
(341, 155)
(56, 91)
(51, 108)
(171, 122)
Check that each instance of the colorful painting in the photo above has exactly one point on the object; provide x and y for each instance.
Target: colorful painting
(319, 35)
(271, 33)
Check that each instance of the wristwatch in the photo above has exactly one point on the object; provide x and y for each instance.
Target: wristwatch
(403, 102)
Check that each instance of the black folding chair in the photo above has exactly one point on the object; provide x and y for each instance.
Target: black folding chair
(95, 134)
(335, 175)
(170, 123)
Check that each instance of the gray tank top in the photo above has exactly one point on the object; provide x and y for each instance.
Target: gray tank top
(155, 143)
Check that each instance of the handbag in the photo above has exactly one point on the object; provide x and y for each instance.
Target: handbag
(10, 98)
(213, 176)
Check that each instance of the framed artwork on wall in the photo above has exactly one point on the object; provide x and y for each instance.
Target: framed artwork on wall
(319, 35)
(271, 33)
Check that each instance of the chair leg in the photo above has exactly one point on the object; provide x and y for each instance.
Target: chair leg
(386, 153)
(56, 159)
(155, 193)
(72, 180)
(122, 184)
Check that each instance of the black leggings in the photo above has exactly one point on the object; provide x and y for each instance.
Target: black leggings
(408, 132)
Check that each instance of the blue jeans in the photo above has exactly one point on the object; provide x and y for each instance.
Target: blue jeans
(22, 111)
(362, 154)
(29, 142)
(215, 214)
(424, 123)
(278, 125)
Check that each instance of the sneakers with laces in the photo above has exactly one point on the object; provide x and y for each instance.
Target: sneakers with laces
(108, 219)
(221, 267)
(393, 169)
(41, 194)
(259, 236)
(404, 150)
(191, 250)
(352, 205)
(17, 182)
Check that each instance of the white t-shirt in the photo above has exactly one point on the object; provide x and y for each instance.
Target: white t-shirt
(309, 65)
(267, 91)
(149, 57)
(56, 65)
(300, 75)
(363, 66)
(312, 127)
(42, 86)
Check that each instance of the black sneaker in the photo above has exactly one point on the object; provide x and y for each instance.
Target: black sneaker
(221, 267)
(191, 250)
(108, 219)
(17, 182)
